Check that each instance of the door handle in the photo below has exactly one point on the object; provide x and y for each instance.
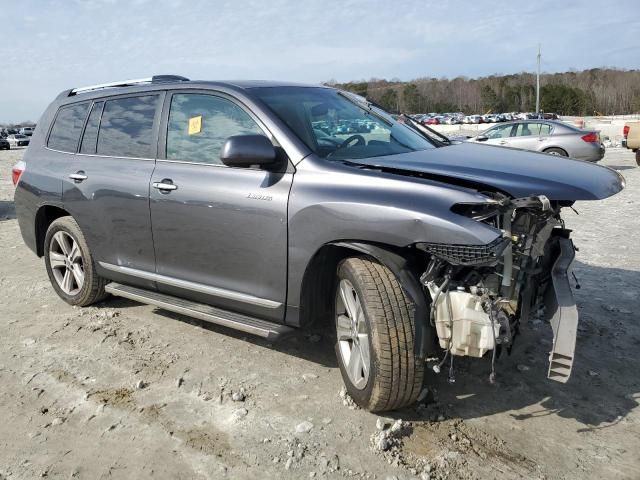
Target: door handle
(503, 142)
(79, 176)
(164, 186)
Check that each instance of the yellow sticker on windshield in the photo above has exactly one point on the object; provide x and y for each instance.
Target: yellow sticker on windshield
(195, 125)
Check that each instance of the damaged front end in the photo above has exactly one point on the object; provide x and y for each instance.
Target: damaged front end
(482, 294)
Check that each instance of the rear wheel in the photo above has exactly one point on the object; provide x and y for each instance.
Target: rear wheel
(375, 327)
(638, 157)
(556, 151)
(70, 265)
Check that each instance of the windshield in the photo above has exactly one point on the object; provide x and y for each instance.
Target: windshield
(336, 127)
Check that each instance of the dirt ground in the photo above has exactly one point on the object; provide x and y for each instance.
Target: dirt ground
(124, 390)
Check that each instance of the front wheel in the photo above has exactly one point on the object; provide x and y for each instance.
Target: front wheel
(70, 265)
(375, 325)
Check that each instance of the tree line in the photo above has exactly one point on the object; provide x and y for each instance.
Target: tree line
(598, 91)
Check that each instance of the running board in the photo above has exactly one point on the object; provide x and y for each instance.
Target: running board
(237, 321)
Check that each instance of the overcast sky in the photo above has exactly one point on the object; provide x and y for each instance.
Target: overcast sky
(48, 46)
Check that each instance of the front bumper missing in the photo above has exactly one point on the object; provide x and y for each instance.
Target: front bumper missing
(562, 313)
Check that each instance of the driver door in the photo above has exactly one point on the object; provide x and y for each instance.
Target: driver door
(498, 135)
(220, 233)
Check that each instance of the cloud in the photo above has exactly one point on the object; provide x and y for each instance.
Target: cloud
(97, 41)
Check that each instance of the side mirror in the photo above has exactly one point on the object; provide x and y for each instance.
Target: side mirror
(482, 138)
(248, 150)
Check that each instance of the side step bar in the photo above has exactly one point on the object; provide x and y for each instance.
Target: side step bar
(237, 321)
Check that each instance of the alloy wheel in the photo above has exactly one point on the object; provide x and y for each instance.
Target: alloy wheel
(66, 263)
(353, 335)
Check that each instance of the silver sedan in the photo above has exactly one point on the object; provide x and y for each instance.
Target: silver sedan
(555, 138)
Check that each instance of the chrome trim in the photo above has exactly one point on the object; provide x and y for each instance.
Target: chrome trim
(195, 287)
(123, 83)
(97, 155)
(59, 151)
(164, 186)
(78, 176)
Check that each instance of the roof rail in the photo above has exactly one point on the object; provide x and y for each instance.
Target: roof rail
(128, 83)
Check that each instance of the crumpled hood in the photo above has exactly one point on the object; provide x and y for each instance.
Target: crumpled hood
(517, 172)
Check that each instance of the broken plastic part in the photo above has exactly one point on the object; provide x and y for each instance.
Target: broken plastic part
(562, 313)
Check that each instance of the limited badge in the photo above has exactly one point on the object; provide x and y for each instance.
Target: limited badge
(195, 125)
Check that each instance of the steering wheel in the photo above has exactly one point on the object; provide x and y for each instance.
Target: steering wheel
(359, 141)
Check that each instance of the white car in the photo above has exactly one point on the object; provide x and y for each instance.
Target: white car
(18, 140)
(28, 131)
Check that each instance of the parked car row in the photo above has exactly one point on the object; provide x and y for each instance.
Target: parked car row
(344, 127)
(5, 132)
(459, 118)
(14, 140)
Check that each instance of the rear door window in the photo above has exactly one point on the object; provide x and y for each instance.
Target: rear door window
(525, 130)
(545, 129)
(67, 127)
(126, 128)
(90, 136)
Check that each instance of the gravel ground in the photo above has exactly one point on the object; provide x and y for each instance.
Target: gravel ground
(124, 390)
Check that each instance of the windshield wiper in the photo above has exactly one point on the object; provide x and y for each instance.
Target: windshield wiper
(426, 132)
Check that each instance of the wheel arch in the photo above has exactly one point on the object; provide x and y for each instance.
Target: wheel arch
(552, 147)
(318, 283)
(45, 216)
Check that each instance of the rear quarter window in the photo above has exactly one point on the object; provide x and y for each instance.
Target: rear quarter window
(66, 129)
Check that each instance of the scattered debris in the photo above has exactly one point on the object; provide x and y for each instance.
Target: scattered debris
(239, 414)
(238, 396)
(384, 439)
(140, 384)
(347, 401)
(381, 423)
(304, 427)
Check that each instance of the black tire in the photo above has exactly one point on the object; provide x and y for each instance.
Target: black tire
(396, 375)
(556, 151)
(638, 157)
(92, 289)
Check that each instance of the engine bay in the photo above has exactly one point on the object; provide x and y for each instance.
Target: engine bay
(481, 295)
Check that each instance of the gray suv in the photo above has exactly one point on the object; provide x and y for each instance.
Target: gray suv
(268, 206)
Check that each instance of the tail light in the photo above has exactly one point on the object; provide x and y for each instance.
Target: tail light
(592, 137)
(17, 171)
(625, 131)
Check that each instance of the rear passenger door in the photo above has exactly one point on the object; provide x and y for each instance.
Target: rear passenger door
(106, 184)
(525, 136)
(220, 233)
